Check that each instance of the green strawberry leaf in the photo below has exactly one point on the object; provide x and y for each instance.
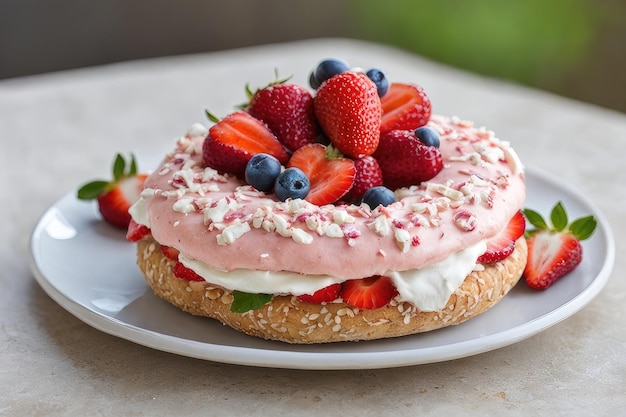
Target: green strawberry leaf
(132, 171)
(211, 116)
(118, 167)
(92, 190)
(243, 301)
(558, 217)
(584, 227)
(535, 219)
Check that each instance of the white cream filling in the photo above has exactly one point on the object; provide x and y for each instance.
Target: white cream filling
(428, 288)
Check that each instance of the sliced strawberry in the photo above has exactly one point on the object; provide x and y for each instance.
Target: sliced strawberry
(170, 252)
(115, 197)
(348, 109)
(182, 272)
(554, 251)
(136, 231)
(551, 256)
(405, 160)
(405, 107)
(324, 295)
(502, 245)
(331, 176)
(368, 293)
(233, 140)
(287, 109)
(367, 175)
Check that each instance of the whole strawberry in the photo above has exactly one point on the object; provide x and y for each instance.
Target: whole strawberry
(367, 174)
(405, 160)
(115, 197)
(287, 109)
(554, 250)
(348, 109)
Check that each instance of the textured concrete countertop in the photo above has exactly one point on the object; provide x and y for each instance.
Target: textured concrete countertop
(59, 130)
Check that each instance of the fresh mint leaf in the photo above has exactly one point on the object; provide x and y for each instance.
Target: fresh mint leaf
(243, 301)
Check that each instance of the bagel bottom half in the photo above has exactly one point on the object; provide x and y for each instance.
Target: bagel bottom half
(287, 319)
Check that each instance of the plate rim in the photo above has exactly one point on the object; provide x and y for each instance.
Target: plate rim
(239, 355)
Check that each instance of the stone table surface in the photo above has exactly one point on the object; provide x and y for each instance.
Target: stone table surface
(58, 130)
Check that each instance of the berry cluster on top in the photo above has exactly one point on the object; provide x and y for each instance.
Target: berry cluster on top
(356, 139)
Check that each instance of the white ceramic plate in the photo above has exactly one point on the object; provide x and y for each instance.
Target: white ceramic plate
(89, 269)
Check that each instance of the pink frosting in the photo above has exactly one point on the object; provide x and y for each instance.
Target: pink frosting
(227, 224)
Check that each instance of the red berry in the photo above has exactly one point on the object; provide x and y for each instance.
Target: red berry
(115, 197)
(554, 250)
(367, 175)
(405, 107)
(324, 295)
(235, 139)
(405, 160)
(502, 245)
(348, 109)
(170, 252)
(550, 257)
(182, 272)
(136, 231)
(330, 177)
(287, 109)
(368, 293)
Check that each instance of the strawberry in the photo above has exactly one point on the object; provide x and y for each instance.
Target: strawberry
(405, 160)
(554, 251)
(367, 175)
(502, 245)
(136, 231)
(368, 293)
(331, 176)
(232, 141)
(287, 109)
(170, 252)
(324, 295)
(405, 106)
(348, 109)
(182, 272)
(115, 197)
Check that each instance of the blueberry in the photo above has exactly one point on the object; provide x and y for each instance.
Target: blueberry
(378, 196)
(380, 79)
(328, 68)
(291, 183)
(313, 81)
(261, 171)
(427, 136)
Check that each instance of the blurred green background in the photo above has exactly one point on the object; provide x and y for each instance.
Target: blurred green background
(574, 48)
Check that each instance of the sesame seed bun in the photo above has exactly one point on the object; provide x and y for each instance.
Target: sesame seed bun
(287, 319)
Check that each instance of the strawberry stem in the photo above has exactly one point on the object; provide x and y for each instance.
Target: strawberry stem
(333, 153)
(558, 217)
(95, 189)
(584, 227)
(581, 228)
(211, 116)
(118, 167)
(91, 190)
